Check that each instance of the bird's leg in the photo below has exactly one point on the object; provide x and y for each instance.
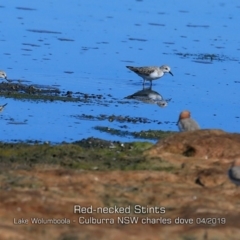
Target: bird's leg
(151, 85)
(144, 82)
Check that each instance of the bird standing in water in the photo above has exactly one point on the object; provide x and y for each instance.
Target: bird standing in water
(2, 107)
(150, 73)
(3, 75)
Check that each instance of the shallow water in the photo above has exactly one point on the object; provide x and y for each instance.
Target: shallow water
(84, 46)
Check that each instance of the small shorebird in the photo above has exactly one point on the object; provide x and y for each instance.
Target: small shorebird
(186, 123)
(234, 172)
(150, 73)
(3, 75)
(2, 107)
(147, 95)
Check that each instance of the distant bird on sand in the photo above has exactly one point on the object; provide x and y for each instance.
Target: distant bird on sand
(150, 73)
(234, 172)
(3, 74)
(186, 123)
(2, 107)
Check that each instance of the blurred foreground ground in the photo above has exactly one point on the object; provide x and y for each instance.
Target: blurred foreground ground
(184, 177)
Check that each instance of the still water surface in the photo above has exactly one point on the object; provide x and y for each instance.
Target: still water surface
(84, 46)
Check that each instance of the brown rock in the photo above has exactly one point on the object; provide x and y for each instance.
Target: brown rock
(200, 143)
(203, 157)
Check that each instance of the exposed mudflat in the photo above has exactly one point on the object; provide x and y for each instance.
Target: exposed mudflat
(172, 192)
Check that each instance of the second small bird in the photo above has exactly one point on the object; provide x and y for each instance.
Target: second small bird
(186, 123)
(3, 74)
(2, 107)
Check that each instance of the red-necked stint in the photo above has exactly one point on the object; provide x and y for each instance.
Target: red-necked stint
(150, 73)
(234, 172)
(3, 75)
(186, 123)
(2, 107)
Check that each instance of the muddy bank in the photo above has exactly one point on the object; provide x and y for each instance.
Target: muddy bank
(163, 192)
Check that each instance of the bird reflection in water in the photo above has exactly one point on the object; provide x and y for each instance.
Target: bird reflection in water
(147, 95)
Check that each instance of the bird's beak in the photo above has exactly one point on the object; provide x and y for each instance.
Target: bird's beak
(171, 73)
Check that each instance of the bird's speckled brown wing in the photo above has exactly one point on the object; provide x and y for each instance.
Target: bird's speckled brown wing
(142, 70)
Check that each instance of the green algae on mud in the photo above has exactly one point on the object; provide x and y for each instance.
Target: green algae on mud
(31, 92)
(26, 96)
(87, 154)
(150, 134)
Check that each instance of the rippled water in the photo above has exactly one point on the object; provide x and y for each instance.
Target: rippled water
(84, 46)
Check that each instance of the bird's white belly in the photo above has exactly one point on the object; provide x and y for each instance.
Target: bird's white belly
(152, 76)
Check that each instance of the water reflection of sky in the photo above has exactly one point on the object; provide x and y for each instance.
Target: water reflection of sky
(85, 45)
